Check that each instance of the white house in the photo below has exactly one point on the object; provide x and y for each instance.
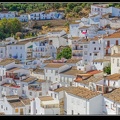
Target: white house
(45, 105)
(67, 77)
(81, 101)
(2, 50)
(111, 103)
(115, 55)
(58, 33)
(7, 15)
(99, 64)
(23, 18)
(19, 50)
(73, 29)
(52, 71)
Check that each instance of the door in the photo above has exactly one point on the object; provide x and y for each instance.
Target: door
(108, 43)
(106, 52)
(21, 111)
(116, 42)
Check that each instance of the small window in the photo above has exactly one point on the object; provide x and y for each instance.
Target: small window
(23, 85)
(31, 93)
(90, 54)
(51, 94)
(6, 108)
(93, 42)
(95, 48)
(113, 60)
(99, 48)
(16, 47)
(101, 63)
(2, 106)
(55, 95)
(16, 110)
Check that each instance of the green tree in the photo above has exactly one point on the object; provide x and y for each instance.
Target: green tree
(77, 9)
(71, 5)
(107, 69)
(65, 53)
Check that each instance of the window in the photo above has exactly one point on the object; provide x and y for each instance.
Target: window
(10, 47)
(40, 94)
(85, 52)
(29, 110)
(51, 94)
(23, 92)
(16, 110)
(23, 85)
(85, 46)
(113, 60)
(117, 62)
(95, 54)
(93, 42)
(2, 106)
(49, 78)
(90, 54)
(99, 89)
(55, 95)
(16, 47)
(72, 112)
(31, 93)
(6, 108)
(95, 48)
(99, 48)
(78, 113)
(56, 79)
(101, 63)
(46, 70)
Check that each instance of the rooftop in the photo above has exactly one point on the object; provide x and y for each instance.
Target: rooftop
(116, 55)
(46, 98)
(60, 89)
(72, 60)
(37, 70)
(41, 80)
(10, 85)
(92, 72)
(114, 95)
(16, 103)
(89, 79)
(72, 71)
(29, 79)
(12, 69)
(12, 96)
(81, 92)
(54, 65)
(114, 35)
(115, 77)
(26, 101)
(6, 61)
(101, 60)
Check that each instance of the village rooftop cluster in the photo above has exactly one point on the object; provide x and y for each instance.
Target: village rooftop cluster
(34, 82)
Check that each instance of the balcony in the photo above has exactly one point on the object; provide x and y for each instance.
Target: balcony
(38, 51)
(33, 88)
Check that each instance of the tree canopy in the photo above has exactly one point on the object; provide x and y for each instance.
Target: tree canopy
(65, 53)
(9, 26)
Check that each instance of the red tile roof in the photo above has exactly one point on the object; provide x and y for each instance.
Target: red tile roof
(94, 72)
